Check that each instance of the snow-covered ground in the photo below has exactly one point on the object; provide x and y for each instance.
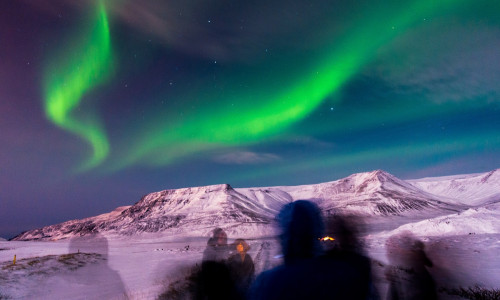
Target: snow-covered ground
(143, 268)
(137, 268)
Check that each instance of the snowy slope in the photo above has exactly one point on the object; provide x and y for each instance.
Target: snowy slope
(197, 209)
(472, 189)
(481, 220)
(69, 228)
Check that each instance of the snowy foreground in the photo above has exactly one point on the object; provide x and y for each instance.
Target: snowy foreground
(131, 268)
(144, 268)
(146, 249)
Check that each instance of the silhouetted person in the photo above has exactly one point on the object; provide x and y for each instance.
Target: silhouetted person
(307, 272)
(347, 247)
(241, 266)
(215, 281)
(408, 276)
(217, 248)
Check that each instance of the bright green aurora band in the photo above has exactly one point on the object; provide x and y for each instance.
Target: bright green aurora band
(276, 109)
(67, 81)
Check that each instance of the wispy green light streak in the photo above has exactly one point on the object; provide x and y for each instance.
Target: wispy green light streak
(68, 78)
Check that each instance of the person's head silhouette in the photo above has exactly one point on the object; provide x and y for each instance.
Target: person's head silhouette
(301, 227)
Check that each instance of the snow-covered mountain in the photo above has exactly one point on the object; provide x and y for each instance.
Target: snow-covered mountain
(471, 189)
(194, 210)
(250, 211)
(368, 194)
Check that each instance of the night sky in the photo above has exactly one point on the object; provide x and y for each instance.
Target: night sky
(105, 101)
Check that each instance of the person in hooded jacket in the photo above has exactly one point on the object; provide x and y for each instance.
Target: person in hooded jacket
(307, 273)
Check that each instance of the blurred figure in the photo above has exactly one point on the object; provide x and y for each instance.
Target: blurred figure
(241, 266)
(307, 273)
(217, 248)
(347, 247)
(214, 280)
(408, 276)
(92, 278)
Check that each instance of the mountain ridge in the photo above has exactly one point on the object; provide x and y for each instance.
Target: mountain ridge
(251, 211)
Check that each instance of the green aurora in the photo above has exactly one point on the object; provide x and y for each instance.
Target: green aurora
(271, 108)
(103, 101)
(75, 74)
(237, 116)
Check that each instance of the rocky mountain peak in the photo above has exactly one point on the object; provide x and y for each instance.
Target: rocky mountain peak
(369, 182)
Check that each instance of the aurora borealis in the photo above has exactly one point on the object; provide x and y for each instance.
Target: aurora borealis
(104, 101)
(80, 71)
